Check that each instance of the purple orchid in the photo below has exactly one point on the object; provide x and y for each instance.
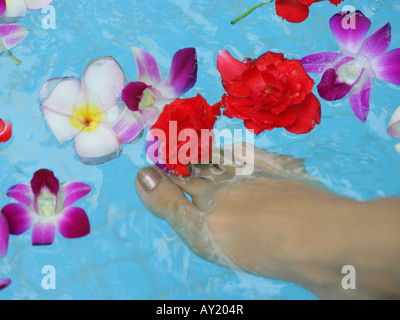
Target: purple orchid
(149, 94)
(4, 235)
(46, 205)
(351, 71)
(14, 10)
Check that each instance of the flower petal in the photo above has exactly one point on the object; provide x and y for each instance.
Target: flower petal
(359, 99)
(230, 68)
(387, 66)
(103, 79)
(148, 70)
(2, 6)
(132, 94)
(22, 193)
(37, 4)
(44, 179)
(73, 191)
(397, 147)
(183, 73)
(58, 97)
(43, 233)
(377, 43)
(4, 283)
(97, 146)
(60, 125)
(350, 37)
(19, 217)
(394, 124)
(4, 235)
(308, 115)
(73, 223)
(11, 35)
(60, 94)
(15, 11)
(130, 125)
(330, 88)
(319, 62)
(5, 131)
(292, 11)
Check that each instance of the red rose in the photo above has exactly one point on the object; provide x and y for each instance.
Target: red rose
(5, 131)
(268, 92)
(296, 10)
(185, 118)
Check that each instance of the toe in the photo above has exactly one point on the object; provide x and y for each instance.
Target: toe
(164, 198)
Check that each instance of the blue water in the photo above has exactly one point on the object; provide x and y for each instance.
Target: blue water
(129, 253)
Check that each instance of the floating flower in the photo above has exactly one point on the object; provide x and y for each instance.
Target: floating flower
(291, 10)
(149, 94)
(182, 140)
(14, 10)
(268, 92)
(394, 127)
(4, 235)
(46, 205)
(5, 131)
(10, 36)
(89, 112)
(351, 72)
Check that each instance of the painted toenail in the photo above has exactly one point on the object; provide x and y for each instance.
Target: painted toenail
(149, 178)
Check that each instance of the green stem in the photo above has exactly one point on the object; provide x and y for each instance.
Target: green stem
(250, 11)
(14, 58)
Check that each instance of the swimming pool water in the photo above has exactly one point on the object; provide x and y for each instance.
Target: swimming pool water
(130, 254)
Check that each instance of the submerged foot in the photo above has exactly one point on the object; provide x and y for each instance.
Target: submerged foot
(278, 221)
(220, 221)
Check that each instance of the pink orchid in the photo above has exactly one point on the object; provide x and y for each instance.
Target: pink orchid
(394, 127)
(351, 71)
(14, 10)
(46, 205)
(5, 131)
(4, 235)
(89, 111)
(11, 35)
(149, 94)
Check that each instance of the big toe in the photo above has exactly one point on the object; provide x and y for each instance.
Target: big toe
(163, 198)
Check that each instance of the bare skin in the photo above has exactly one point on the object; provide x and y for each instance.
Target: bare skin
(281, 223)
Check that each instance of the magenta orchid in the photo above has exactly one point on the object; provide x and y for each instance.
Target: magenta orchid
(351, 71)
(394, 127)
(4, 235)
(46, 205)
(89, 112)
(14, 10)
(149, 94)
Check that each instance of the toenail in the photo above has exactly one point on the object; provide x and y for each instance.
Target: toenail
(149, 178)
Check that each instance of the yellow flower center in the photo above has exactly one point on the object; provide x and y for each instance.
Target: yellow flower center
(148, 99)
(46, 203)
(269, 90)
(86, 117)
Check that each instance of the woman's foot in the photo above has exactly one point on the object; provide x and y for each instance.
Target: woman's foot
(277, 222)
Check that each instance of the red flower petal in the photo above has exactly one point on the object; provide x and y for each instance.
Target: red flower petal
(308, 115)
(5, 131)
(230, 68)
(291, 10)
